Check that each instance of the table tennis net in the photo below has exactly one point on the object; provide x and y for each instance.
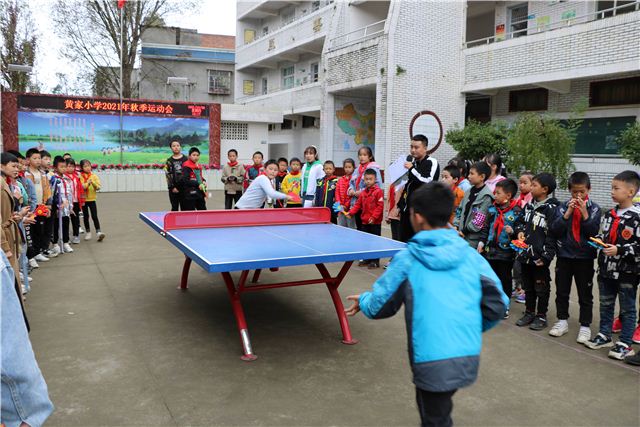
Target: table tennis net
(245, 218)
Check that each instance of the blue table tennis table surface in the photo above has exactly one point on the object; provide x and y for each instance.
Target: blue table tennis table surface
(259, 247)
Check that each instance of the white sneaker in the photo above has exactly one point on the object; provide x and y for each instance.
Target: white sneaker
(67, 248)
(22, 278)
(24, 290)
(54, 251)
(81, 230)
(560, 328)
(87, 236)
(584, 335)
(33, 263)
(41, 258)
(101, 236)
(75, 240)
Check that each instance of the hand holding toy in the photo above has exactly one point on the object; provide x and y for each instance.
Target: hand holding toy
(597, 243)
(519, 246)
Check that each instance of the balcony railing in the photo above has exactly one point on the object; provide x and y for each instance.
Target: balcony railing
(563, 23)
(296, 18)
(300, 83)
(364, 33)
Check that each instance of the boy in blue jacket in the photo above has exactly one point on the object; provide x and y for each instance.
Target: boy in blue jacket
(577, 221)
(451, 295)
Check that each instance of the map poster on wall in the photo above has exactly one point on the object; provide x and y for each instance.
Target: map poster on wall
(355, 125)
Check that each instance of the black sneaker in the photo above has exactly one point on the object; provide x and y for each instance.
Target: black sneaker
(633, 360)
(506, 314)
(538, 324)
(599, 341)
(526, 319)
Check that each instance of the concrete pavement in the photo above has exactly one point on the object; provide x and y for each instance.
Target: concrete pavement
(119, 345)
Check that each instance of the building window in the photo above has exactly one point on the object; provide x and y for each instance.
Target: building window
(615, 92)
(265, 86)
(286, 124)
(600, 135)
(287, 77)
(308, 122)
(518, 20)
(315, 5)
(232, 131)
(314, 72)
(621, 6)
(528, 100)
(288, 16)
(265, 31)
(219, 82)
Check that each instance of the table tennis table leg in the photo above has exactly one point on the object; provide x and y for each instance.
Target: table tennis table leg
(256, 276)
(332, 284)
(238, 312)
(185, 273)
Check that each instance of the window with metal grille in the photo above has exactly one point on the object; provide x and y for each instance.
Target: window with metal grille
(219, 82)
(615, 92)
(528, 100)
(315, 72)
(518, 20)
(233, 131)
(287, 77)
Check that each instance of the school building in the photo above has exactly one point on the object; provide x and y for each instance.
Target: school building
(345, 73)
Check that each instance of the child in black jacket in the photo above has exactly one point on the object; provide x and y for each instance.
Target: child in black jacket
(619, 267)
(326, 191)
(533, 229)
(194, 186)
(173, 172)
(577, 221)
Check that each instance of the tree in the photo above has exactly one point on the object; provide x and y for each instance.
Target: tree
(540, 143)
(629, 143)
(18, 44)
(476, 139)
(92, 28)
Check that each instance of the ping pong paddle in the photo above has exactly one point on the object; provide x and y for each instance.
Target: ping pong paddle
(519, 245)
(295, 198)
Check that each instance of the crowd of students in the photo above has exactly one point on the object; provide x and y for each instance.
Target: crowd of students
(43, 202)
(492, 213)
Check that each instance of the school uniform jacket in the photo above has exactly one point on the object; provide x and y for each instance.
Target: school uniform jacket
(498, 246)
(451, 295)
(475, 226)
(535, 223)
(568, 247)
(626, 238)
(325, 192)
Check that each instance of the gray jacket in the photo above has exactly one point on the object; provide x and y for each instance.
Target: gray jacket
(476, 226)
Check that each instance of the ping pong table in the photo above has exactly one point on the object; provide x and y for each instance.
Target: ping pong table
(225, 241)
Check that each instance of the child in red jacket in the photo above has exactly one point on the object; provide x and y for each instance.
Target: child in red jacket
(342, 196)
(371, 203)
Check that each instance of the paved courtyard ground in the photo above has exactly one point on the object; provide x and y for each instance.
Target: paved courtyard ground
(119, 345)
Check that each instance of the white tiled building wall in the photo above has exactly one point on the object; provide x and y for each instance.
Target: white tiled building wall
(432, 58)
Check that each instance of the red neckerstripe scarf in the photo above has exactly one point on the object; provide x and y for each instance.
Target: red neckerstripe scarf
(295, 173)
(613, 232)
(232, 164)
(576, 221)
(499, 224)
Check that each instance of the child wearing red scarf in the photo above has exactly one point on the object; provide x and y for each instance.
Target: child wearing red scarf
(619, 269)
(292, 183)
(342, 194)
(251, 172)
(193, 183)
(77, 192)
(283, 170)
(578, 220)
(232, 177)
(502, 217)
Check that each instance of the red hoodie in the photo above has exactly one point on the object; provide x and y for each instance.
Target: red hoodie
(342, 187)
(371, 203)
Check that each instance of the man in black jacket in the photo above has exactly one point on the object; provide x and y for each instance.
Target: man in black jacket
(421, 169)
(173, 171)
